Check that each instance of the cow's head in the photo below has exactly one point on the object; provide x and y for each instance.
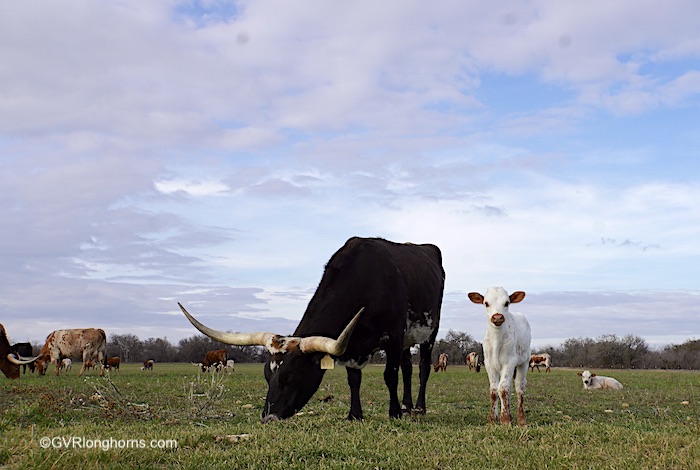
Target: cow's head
(10, 361)
(496, 302)
(42, 362)
(293, 372)
(586, 377)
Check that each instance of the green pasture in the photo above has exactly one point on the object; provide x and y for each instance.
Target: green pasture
(133, 418)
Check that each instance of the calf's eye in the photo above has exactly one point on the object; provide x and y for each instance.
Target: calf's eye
(507, 304)
(486, 304)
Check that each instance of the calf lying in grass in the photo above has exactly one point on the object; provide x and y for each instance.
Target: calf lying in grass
(598, 382)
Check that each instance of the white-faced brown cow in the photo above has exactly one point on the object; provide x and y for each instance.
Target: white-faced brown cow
(543, 359)
(506, 350)
(441, 364)
(147, 365)
(87, 344)
(10, 360)
(473, 361)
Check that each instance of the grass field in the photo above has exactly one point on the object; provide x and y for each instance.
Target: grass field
(133, 419)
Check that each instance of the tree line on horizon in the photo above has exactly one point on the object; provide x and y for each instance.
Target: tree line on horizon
(605, 352)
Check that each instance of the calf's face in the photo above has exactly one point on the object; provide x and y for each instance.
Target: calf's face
(586, 377)
(496, 302)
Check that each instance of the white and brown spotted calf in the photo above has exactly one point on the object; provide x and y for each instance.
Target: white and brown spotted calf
(598, 382)
(88, 344)
(537, 360)
(506, 350)
(441, 364)
(473, 361)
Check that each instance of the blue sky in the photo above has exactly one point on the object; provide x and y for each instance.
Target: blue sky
(218, 153)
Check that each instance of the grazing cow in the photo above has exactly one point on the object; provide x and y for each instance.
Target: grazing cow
(86, 343)
(473, 361)
(88, 364)
(230, 365)
(441, 364)
(112, 363)
(147, 365)
(216, 359)
(9, 359)
(66, 364)
(506, 350)
(598, 382)
(388, 293)
(537, 360)
(24, 350)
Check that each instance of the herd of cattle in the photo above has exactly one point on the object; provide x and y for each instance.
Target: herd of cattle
(374, 295)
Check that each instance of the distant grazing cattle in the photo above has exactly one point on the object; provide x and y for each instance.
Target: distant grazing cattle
(66, 364)
(229, 365)
(216, 359)
(598, 382)
(9, 359)
(24, 350)
(543, 359)
(374, 295)
(112, 363)
(441, 364)
(147, 365)
(473, 361)
(506, 350)
(88, 365)
(87, 344)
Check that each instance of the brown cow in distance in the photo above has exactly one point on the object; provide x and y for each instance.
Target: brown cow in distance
(89, 344)
(112, 363)
(10, 360)
(214, 359)
(147, 365)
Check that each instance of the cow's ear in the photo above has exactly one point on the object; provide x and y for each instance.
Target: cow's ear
(476, 297)
(580, 374)
(592, 375)
(516, 297)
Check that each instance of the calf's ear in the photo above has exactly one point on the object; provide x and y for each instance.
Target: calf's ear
(592, 375)
(580, 374)
(516, 297)
(476, 297)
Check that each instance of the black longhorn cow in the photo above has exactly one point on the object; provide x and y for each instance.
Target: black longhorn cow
(26, 350)
(399, 287)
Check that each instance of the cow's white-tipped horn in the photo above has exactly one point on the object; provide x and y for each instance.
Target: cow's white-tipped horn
(21, 361)
(236, 339)
(334, 347)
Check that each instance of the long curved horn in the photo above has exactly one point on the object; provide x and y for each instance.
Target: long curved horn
(21, 361)
(236, 339)
(334, 347)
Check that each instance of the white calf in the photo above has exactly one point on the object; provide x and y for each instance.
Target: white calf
(506, 350)
(598, 382)
(66, 364)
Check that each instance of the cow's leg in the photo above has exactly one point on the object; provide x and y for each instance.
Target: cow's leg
(407, 375)
(391, 379)
(354, 381)
(520, 385)
(101, 361)
(504, 393)
(426, 350)
(494, 378)
(58, 365)
(82, 369)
